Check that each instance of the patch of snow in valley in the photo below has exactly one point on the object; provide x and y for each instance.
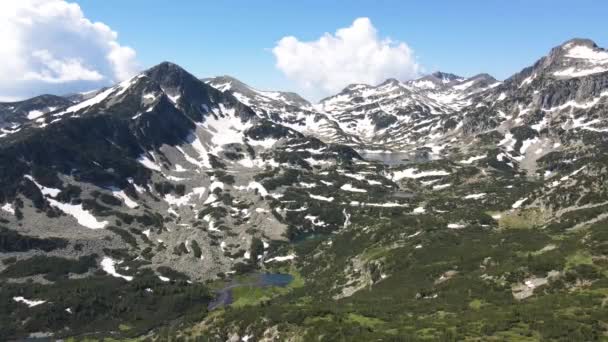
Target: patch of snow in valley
(430, 182)
(197, 145)
(282, 258)
(321, 198)
(472, 159)
(29, 302)
(109, 266)
(212, 198)
(34, 114)
(475, 196)
(414, 235)
(146, 162)
(185, 199)
(259, 187)
(138, 188)
(518, 203)
(441, 186)
(419, 210)
(212, 228)
(508, 141)
(266, 143)
(120, 194)
(540, 125)
(225, 127)
(527, 143)
(576, 172)
(43, 189)
(8, 208)
(175, 179)
(349, 187)
(414, 173)
(314, 162)
(346, 219)
(315, 220)
(84, 217)
(216, 185)
(456, 226)
(355, 176)
(149, 96)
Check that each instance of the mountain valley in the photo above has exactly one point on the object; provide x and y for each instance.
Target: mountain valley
(169, 207)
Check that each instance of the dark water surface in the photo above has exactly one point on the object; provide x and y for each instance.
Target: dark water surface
(223, 296)
(388, 158)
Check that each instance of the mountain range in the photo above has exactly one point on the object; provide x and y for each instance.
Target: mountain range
(128, 211)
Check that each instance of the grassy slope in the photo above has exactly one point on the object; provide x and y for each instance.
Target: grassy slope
(476, 303)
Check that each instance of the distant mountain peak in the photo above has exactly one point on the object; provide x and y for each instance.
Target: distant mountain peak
(446, 76)
(167, 69)
(483, 77)
(437, 79)
(29, 109)
(576, 57)
(356, 86)
(251, 95)
(578, 42)
(167, 65)
(227, 82)
(577, 48)
(390, 81)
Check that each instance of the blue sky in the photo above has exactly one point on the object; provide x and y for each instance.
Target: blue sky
(236, 37)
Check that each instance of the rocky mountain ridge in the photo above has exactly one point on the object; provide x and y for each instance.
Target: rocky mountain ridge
(165, 182)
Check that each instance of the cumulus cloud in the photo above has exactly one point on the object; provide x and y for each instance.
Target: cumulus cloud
(49, 46)
(53, 70)
(355, 54)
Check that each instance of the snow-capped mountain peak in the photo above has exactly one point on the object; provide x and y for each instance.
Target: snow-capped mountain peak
(573, 59)
(250, 95)
(447, 77)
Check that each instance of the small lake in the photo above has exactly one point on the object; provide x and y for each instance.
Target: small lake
(223, 296)
(402, 194)
(388, 158)
(309, 236)
(275, 279)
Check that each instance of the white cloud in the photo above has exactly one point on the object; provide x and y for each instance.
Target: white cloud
(53, 70)
(355, 54)
(49, 46)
